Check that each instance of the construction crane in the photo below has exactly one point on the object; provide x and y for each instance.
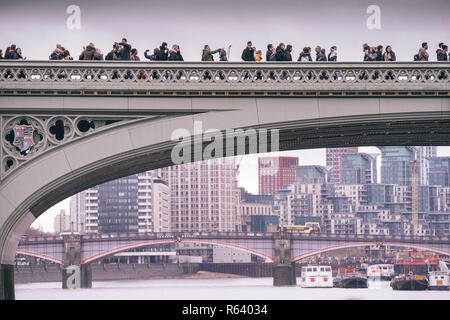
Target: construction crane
(414, 198)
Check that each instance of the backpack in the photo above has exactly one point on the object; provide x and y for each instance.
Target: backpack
(416, 57)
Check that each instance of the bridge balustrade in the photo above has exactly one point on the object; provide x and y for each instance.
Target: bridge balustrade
(224, 76)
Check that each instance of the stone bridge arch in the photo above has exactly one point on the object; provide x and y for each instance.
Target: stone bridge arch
(142, 117)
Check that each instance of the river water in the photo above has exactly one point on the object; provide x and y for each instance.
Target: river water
(214, 289)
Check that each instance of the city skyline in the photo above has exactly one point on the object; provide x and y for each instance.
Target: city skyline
(247, 176)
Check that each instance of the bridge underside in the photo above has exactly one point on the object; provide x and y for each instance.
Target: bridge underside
(142, 139)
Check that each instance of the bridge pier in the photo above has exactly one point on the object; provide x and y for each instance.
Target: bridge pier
(283, 269)
(86, 276)
(7, 282)
(74, 274)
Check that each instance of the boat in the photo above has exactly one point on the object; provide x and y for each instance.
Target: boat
(349, 278)
(409, 282)
(439, 279)
(313, 276)
(411, 270)
(380, 272)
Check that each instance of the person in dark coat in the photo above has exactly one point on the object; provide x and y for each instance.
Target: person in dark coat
(7, 53)
(12, 53)
(1, 54)
(443, 57)
(321, 56)
(223, 55)
(280, 54)
(379, 53)
(442, 53)
(58, 53)
(249, 52)
(88, 52)
(317, 49)
(269, 51)
(125, 51)
(175, 54)
(389, 55)
(305, 55)
(439, 50)
(288, 56)
(163, 54)
(152, 57)
(114, 53)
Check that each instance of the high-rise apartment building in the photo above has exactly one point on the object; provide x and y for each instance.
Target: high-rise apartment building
(439, 171)
(358, 168)
(423, 153)
(118, 205)
(274, 173)
(203, 195)
(333, 160)
(106, 208)
(396, 165)
(311, 174)
(61, 222)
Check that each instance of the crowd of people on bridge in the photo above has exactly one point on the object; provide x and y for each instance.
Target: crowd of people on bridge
(124, 51)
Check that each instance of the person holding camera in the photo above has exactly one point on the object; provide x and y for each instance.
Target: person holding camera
(249, 52)
(175, 54)
(125, 50)
(114, 53)
(207, 53)
(151, 57)
(163, 53)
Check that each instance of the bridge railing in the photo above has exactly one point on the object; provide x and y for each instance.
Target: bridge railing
(244, 235)
(108, 77)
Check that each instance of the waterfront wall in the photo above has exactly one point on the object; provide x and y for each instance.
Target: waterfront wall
(52, 273)
(254, 270)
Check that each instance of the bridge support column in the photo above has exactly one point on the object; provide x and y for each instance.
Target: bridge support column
(190, 268)
(7, 282)
(86, 275)
(283, 269)
(72, 269)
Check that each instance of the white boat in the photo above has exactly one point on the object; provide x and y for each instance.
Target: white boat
(380, 272)
(316, 277)
(439, 279)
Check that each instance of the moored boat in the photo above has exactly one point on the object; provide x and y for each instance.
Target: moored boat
(316, 277)
(439, 279)
(380, 272)
(409, 282)
(411, 270)
(349, 278)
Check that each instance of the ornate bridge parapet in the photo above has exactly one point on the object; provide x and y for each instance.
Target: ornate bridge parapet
(223, 79)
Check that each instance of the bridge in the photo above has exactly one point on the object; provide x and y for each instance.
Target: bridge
(95, 121)
(282, 249)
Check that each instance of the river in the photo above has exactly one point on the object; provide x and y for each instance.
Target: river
(214, 289)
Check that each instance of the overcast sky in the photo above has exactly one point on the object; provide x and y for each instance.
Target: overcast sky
(37, 26)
